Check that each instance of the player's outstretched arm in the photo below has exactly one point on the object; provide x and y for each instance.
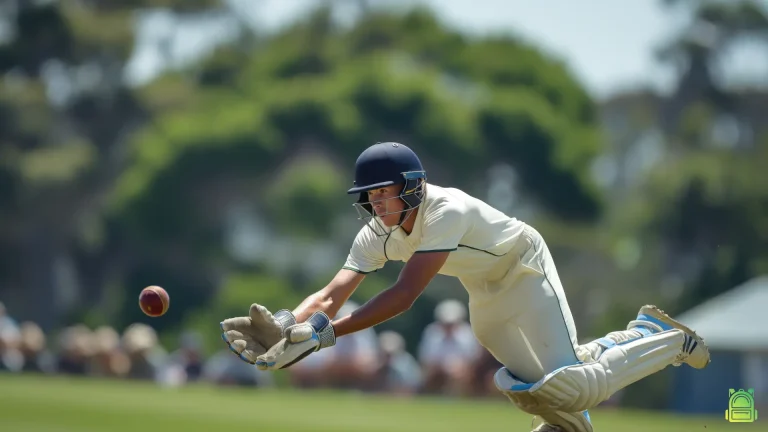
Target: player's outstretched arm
(252, 335)
(413, 280)
(332, 297)
(318, 332)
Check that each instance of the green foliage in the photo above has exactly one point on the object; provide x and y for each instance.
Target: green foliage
(51, 165)
(240, 290)
(66, 116)
(416, 81)
(234, 297)
(311, 187)
(548, 153)
(711, 205)
(282, 124)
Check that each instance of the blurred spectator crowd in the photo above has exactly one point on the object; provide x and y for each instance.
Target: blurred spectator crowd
(448, 361)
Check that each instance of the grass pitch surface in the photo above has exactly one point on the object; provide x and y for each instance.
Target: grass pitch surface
(55, 404)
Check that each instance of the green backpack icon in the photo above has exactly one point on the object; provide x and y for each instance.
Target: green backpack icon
(741, 406)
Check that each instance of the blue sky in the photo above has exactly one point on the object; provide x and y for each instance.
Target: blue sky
(608, 44)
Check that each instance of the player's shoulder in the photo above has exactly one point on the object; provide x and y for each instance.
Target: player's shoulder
(365, 236)
(440, 196)
(456, 200)
(368, 241)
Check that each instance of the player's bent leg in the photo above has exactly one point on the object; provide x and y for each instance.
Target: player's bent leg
(526, 324)
(529, 328)
(583, 386)
(653, 342)
(541, 334)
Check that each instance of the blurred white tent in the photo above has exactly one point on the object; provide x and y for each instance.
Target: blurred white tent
(735, 327)
(736, 320)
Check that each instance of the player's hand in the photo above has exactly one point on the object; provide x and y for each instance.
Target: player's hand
(250, 336)
(299, 341)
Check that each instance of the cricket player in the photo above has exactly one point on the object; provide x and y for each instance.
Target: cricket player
(517, 306)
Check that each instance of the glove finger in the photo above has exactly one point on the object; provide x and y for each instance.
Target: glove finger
(237, 346)
(299, 333)
(265, 323)
(267, 359)
(224, 337)
(248, 356)
(259, 314)
(232, 335)
(285, 354)
(240, 324)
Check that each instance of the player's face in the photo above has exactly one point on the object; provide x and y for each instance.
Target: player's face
(386, 204)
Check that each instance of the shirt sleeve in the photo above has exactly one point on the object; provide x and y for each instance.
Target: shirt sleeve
(444, 227)
(364, 256)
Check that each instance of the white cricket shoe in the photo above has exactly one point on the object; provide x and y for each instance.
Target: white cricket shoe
(694, 351)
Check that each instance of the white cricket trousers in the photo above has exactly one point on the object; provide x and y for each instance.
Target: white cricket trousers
(523, 318)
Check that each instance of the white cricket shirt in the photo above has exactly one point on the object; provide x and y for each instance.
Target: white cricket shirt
(478, 236)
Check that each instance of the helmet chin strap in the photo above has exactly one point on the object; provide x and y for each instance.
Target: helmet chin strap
(402, 217)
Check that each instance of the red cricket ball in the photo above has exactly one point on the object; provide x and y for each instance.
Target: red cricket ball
(154, 301)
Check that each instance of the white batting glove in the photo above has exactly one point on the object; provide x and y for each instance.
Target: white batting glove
(300, 341)
(251, 336)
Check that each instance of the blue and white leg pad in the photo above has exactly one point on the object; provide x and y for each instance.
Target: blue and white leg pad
(518, 392)
(582, 386)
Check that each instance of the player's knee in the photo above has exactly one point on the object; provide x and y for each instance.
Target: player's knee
(505, 381)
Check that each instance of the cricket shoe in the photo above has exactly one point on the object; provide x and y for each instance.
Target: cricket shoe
(694, 351)
(558, 421)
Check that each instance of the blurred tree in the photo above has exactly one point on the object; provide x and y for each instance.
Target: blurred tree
(696, 207)
(280, 125)
(390, 77)
(689, 204)
(711, 209)
(699, 52)
(66, 113)
(107, 185)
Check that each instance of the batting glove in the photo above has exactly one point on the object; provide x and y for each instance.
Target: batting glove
(251, 336)
(299, 341)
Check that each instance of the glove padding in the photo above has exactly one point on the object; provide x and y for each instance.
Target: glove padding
(299, 341)
(251, 336)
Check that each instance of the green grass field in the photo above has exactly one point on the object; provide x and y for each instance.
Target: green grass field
(43, 404)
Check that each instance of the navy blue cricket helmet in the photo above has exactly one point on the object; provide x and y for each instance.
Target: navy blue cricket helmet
(386, 164)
